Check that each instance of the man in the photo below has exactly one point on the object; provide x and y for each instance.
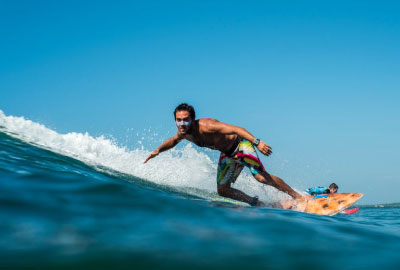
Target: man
(237, 150)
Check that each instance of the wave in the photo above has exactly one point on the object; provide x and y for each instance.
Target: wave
(184, 170)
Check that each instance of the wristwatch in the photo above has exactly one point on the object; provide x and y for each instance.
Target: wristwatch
(256, 142)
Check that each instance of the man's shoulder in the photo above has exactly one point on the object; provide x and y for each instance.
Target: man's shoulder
(205, 121)
(208, 124)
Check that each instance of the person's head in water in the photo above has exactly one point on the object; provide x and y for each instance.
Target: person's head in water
(333, 188)
(184, 117)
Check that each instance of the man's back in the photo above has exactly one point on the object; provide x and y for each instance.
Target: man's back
(318, 190)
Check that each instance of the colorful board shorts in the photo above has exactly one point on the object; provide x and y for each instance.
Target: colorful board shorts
(230, 166)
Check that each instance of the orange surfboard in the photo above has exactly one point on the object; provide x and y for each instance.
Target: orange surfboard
(324, 204)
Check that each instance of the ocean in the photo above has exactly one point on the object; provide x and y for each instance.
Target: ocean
(72, 201)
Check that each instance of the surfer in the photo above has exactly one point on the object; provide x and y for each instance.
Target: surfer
(333, 188)
(236, 145)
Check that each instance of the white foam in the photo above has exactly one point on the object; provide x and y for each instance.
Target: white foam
(184, 168)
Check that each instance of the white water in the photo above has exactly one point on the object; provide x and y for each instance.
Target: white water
(185, 168)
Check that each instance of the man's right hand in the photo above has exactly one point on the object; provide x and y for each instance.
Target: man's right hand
(153, 154)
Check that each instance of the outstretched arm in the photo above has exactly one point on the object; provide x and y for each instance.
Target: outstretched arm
(216, 126)
(168, 144)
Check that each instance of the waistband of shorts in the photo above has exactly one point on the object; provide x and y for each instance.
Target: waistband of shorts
(234, 146)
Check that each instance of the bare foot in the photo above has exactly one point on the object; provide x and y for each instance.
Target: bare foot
(297, 196)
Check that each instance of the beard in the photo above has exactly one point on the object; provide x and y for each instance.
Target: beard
(186, 130)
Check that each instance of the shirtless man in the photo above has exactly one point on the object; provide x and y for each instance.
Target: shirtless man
(237, 150)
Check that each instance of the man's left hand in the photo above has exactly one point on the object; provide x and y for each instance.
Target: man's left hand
(264, 148)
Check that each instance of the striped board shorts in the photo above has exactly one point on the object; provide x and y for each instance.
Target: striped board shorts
(230, 166)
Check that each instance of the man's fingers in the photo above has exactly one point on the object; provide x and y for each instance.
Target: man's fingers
(147, 159)
(150, 156)
(267, 150)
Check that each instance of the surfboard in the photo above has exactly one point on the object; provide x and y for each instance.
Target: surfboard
(228, 200)
(324, 204)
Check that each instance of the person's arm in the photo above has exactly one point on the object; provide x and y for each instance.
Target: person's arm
(168, 144)
(216, 126)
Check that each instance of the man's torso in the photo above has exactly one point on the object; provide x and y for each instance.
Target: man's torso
(202, 137)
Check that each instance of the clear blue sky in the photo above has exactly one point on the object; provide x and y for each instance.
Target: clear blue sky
(318, 80)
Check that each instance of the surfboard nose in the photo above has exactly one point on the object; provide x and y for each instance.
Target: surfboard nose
(357, 195)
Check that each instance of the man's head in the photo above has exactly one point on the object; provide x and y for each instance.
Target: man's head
(184, 117)
(333, 188)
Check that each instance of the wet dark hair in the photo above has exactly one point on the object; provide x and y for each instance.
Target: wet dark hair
(185, 107)
(333, 185)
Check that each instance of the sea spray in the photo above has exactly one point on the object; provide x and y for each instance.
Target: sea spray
(186, 169)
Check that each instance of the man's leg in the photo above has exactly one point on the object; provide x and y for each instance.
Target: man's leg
(226, 190)
(228, 172)
(247, 156)
(276, 182)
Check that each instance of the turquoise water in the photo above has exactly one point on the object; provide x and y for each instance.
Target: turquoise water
(58, 212)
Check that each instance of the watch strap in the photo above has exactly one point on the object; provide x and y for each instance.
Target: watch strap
(256, 142)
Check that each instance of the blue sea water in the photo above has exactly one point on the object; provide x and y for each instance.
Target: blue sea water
(68, 210)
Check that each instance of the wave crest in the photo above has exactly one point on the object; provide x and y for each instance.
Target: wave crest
(185, 168)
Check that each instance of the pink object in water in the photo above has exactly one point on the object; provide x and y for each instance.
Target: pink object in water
(350, 211)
